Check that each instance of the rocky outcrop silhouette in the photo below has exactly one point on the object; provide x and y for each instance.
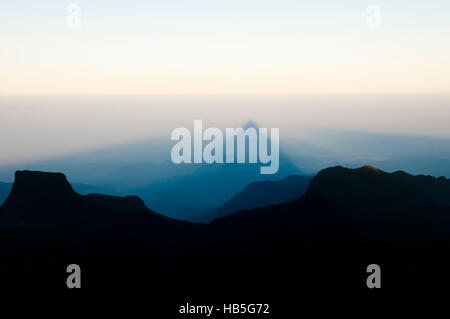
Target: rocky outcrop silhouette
(47, 200)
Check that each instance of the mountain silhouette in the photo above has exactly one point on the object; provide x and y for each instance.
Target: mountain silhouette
(350, 218)
(39, 199)
(323, 240)
(259, 194)
(375, 189)
(356, 196)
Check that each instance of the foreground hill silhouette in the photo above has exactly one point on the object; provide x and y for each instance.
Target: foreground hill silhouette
(321, 241)
(361, 191)
(47, 200)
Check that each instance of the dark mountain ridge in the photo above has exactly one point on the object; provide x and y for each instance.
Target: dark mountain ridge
(370, 187)
(47, 200)
(350, 218)
(346, 220)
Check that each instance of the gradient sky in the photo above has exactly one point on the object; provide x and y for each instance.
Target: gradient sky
(224, 47)
(217, 60)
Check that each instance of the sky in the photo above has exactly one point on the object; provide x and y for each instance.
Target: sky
(224, 47)
(133, 70)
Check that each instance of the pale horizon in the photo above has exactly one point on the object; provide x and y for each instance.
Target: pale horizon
(42, 127)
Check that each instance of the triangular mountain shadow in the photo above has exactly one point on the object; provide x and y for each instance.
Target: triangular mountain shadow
(207, 186)
(250, 123)
(287, 163)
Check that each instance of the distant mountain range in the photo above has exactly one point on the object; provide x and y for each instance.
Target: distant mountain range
(260, 194)
(324, 239)
(192, 192)
(192, 196)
